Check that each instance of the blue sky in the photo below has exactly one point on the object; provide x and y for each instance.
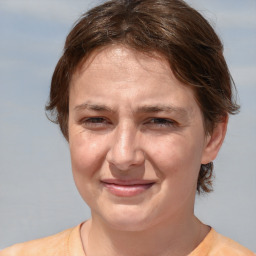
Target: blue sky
(35, 176)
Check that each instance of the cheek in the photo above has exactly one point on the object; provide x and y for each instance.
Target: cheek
(87, 157)
(86, 154)
(177, 155)
(177, 161)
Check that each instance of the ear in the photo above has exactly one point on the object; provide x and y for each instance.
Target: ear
(214, 141)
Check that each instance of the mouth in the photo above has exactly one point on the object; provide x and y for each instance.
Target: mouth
(124, 188)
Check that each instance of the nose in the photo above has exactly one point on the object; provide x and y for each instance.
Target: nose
(125, 150)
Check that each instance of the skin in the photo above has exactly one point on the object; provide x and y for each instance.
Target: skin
(130, 119)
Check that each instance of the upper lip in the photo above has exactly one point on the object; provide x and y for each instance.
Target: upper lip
(127, 182)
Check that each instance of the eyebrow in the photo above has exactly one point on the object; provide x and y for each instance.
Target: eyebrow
(94, 107)
(182, 112)
(168, 109)
(162, 108)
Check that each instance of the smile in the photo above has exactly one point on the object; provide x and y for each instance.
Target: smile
(127, 188)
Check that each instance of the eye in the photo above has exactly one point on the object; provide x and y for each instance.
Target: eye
(161, 122)
(95, 122)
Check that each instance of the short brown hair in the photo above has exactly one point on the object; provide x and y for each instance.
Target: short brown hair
(167, 27)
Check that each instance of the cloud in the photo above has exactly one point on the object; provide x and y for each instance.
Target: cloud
(229, 13)
(244, 75)
(242, 19)
(64, 12)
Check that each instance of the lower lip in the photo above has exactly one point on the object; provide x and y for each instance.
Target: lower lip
(127, 190)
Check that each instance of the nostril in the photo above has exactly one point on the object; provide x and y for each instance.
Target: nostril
(125, 161)
(125, 151)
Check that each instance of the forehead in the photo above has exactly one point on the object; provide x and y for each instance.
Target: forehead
(116, 60)
(129, 74)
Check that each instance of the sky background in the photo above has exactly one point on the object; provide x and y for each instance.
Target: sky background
(37, 194)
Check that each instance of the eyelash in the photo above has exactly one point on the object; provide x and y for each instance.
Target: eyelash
(101, 122)
(162, 122)
(95, 122)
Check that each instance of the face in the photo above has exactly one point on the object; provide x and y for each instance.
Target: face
(136, 139)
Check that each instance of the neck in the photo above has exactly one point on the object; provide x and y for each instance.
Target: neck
(177, 238)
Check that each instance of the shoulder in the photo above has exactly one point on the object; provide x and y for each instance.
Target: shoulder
(53, 245)
(224, 246)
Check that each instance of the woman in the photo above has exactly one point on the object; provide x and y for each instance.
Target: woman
(142, 94)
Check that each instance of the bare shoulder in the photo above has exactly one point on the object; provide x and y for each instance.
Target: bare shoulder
(52, 245)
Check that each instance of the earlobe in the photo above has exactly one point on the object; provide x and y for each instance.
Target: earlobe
(214, 141)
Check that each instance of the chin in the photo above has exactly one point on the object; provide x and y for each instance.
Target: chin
(127, 218)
